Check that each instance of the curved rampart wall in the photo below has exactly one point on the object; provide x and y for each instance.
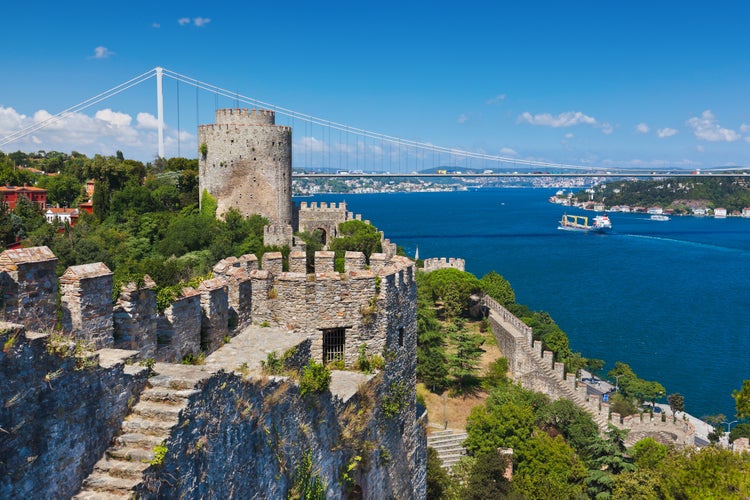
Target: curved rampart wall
(536, 370)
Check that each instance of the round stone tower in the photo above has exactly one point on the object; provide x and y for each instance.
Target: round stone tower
(245, 162)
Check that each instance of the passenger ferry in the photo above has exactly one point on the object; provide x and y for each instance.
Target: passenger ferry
(659, 217)
(601, 223)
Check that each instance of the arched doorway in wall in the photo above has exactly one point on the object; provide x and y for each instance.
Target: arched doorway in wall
(322, 235)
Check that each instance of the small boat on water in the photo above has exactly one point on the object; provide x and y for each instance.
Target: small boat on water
(600, 223)
(660, 217)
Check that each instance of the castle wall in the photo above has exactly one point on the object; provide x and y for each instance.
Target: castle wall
(435, 263)
(58, 413)
(179, 327)
(29, 287)
(245, 439)
(248, 164)
(214, 314)
(135, 318)
(63, 414)
(87, 303)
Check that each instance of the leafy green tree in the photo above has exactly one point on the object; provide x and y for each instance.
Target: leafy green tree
(739, 431)
(464, 363)
(608, 457)
(649, 453)
(496, 374)
(709, 472)
(356, 236)
(62, 190)
(31, 215)
(453, 287)
(508, 426)
(498, 288)
(548, 468)
(100, 199)
(676, 403)
(717, 422)
(438, 480)
(565, 417)
(486, 479)
(742, 399)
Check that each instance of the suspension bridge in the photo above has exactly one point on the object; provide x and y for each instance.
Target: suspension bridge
(328, 148)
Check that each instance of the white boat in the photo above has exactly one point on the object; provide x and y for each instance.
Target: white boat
(600, 224)
(660, 217)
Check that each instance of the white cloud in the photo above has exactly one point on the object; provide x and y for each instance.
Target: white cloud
(569, 135)
(665, 132)
(101, 52)
(642, 128)
(508, 151)
(567, 119)
(707, 128)
(156, 25)
(104, 133)
(463, 118)
(700, 148)
(113, 118)
(196, 21)
(147, 120)
(498, 99)
(607, 128)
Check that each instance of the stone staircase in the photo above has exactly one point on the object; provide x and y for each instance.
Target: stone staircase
(578, 398)
(149, 424)
(448, 444)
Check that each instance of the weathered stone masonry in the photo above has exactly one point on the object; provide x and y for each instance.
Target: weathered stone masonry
(248, 164)
(374, 307)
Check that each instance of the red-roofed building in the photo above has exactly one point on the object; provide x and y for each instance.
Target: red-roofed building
(10, 194)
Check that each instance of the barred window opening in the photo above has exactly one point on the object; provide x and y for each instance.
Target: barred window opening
(333, 344)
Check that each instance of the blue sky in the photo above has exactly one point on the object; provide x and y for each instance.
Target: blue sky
(607, 83)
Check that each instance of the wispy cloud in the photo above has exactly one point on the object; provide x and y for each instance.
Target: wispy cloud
(498, 99)
(102, 52)
(707, 128)
(665, 132)
(463, 118)
(508, 152)
(156, 25)
(196, 21)
(567, 119)
(642, 128)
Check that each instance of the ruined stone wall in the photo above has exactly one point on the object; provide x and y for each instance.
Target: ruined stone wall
(214, 314)
(248, 164)
(58, 412)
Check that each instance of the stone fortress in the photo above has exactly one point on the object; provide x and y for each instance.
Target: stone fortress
(126, 418)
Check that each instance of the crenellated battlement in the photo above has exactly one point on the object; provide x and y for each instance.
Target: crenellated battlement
(435, 263)
(240, 294)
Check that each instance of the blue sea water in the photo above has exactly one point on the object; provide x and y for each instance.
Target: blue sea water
(671, 299)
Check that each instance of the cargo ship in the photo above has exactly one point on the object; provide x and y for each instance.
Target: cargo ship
(600, 223)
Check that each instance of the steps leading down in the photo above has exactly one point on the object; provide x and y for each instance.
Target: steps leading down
(448, 444)
(148, 425)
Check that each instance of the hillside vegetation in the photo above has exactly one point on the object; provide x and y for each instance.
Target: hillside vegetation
(677, 193)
